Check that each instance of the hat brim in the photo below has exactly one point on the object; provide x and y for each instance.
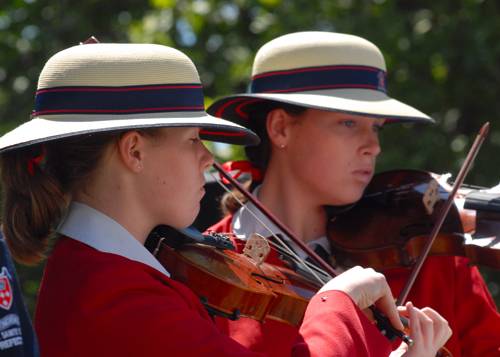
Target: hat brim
(53, 127)
(352, 101)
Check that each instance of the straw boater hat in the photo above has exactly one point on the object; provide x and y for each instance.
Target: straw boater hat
(321, 70)
(100, 87)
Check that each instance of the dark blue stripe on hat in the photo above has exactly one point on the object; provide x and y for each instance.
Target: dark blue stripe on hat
(317, 78)
(119, 100)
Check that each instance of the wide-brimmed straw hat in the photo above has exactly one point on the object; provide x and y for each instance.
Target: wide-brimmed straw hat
(320, 70)
(99, 87)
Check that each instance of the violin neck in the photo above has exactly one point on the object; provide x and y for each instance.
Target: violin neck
(483, 202)
(485, 213)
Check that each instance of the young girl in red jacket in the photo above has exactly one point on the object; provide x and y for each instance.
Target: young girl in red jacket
(113, 150)
(318, 101)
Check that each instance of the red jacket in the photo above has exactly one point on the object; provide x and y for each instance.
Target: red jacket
(447, 284)
(101, 304)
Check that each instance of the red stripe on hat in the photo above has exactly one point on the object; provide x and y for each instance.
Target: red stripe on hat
(343, 86)
(223, 107)
(239, 108)
(221, 133)
(141, 110)
(314, 69)
(115, 89)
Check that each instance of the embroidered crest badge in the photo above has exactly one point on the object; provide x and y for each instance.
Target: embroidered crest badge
(5, 290)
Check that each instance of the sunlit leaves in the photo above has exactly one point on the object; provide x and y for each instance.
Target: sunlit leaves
(162, 4)
(270, 3)
(439, 69)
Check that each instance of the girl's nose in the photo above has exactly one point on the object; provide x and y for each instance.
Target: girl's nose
(372, 145)
(207, 159)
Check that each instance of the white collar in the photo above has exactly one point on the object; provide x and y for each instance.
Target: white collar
(245, 223)
(92, 227)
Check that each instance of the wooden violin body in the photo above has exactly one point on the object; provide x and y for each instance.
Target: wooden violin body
(233, 285)
(389, 226)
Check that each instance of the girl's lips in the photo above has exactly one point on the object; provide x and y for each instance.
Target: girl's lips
(363, 175)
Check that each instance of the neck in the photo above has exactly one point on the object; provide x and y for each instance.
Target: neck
(108, 193)
(293, 207)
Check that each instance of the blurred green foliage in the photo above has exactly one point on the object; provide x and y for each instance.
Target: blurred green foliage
(442, 57)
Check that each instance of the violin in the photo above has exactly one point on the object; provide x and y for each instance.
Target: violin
(233, 285)
(398, 211)
(381, 321)
(230, 284)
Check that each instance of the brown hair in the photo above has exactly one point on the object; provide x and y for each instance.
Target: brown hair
(257, 155)
(33, 202)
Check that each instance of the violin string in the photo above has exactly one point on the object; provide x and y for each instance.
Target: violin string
(298, 263)
(280, 246)
(284, 246)
(403, 189)
(284, 249)
(400, 190)
(311, 265)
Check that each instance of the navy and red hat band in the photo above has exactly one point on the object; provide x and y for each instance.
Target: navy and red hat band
(119, 100)
(319, 78)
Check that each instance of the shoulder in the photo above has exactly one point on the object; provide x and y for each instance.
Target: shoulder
(86, 276)
(92, 299)
(78, 260)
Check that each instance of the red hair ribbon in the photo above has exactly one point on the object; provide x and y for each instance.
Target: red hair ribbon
(35, 161)
(237, 168)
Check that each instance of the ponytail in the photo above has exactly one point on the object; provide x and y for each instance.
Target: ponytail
(38, 182)
(32, 203)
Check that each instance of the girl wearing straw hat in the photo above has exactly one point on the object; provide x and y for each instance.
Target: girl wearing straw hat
(318, 100)
(113, 150)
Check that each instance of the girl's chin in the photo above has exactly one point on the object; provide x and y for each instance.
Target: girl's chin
(345, 199)
(187, 219)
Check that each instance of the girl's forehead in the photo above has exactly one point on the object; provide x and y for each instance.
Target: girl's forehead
(180, 131)
(341, 115)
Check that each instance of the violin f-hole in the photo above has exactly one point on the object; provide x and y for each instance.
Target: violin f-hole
(212, 311)
(268, 278)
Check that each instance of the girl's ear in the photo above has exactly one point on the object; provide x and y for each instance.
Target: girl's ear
(131, 150)
(277, 125)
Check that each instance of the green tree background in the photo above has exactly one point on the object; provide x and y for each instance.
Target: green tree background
(442, 57)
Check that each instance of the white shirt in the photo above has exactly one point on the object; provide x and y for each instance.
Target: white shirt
(93, 228)
(245, 223)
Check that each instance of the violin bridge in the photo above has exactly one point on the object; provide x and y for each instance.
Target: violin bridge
(431, 196)
(257, 248)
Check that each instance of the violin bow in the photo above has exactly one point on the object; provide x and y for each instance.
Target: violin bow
(382, 322)
(464, 170)
(324, 265)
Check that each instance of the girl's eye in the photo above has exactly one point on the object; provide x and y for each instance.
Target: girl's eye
(195, 140)
(348, 123)
(378, 128)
